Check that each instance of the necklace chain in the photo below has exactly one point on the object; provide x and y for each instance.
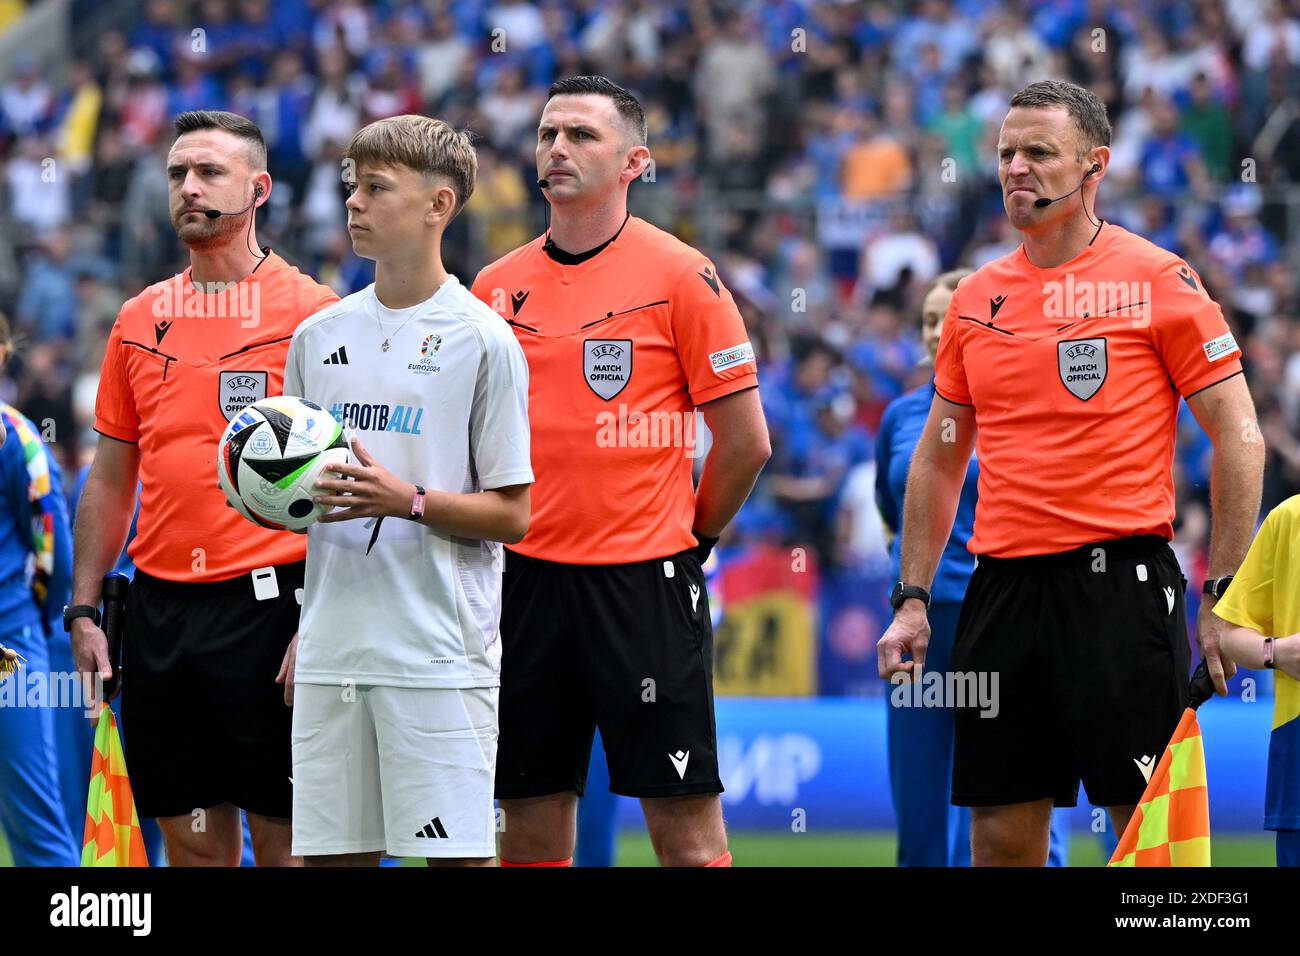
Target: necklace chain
(384, 347)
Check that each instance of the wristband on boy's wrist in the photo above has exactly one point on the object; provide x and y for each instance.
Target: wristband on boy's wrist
(417, 504)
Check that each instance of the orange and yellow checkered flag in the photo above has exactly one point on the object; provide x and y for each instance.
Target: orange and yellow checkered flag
(1171, 826)
(113, 836)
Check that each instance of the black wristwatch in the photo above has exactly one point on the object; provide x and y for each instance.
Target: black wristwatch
(904, 591)
(1216, 586)
(73, 611)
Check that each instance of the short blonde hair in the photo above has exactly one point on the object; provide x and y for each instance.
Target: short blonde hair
(421, 143)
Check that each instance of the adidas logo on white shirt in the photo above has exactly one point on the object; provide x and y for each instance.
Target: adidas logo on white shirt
(432, 830)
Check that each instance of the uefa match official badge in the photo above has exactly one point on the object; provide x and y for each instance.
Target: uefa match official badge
(1082, 364)
(607, 365)
(238, 390)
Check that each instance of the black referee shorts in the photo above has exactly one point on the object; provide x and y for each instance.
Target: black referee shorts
(203, 720)
(626, 647)
(1090, 653)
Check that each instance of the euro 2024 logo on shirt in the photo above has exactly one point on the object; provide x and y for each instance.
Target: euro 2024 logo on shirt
(607, 365)
(428, 349)
(1082, 364)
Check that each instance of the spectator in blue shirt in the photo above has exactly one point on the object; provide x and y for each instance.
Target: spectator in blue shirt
(192, 89)
(1170, 162)
(158, 31)
(1240, 241)
(47, 304)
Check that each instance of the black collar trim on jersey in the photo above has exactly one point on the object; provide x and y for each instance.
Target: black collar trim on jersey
(987, 325)
(637, 308)
(1100, 223)
(254, 345)
(576, 258)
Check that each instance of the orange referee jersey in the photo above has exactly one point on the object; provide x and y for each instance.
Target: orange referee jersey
(621, 348)
(179, 366)
(1075, 375)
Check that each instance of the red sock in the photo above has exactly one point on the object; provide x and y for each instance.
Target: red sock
(568, 862)
(724, 860)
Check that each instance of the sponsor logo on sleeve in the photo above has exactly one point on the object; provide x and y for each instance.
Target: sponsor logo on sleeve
(1216, 349)
(736, 355)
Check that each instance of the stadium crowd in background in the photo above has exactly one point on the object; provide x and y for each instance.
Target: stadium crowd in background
(831, 158)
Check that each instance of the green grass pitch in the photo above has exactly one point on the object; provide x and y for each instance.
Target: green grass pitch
(876, 848)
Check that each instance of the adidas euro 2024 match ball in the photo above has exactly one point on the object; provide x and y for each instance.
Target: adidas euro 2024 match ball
(270, 456)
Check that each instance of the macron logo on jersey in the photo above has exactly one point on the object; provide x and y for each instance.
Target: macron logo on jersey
(709, 277)
(1146, 763)
(380, 418)
(736, 355)
(680, 760)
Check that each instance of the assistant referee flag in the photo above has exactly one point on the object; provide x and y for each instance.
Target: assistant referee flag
(113, 836)
(1171, 825)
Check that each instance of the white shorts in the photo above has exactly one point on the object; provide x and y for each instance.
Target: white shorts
(400, 769)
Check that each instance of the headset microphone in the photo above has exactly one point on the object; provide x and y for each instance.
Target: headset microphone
(543, 184)
(217, 213)
(1044, 201)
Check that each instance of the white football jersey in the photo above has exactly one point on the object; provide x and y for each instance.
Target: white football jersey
(446, 406)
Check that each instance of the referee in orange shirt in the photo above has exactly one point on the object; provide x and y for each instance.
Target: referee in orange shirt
(605, 619)
(1063, 363)
(213, 608)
